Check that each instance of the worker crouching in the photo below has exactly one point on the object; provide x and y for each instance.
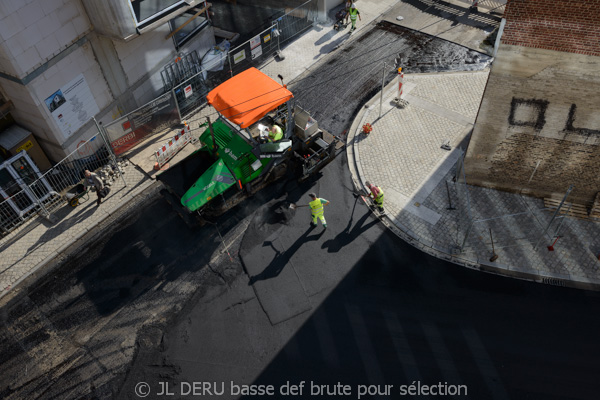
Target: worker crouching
(377, 195)
(316, 208)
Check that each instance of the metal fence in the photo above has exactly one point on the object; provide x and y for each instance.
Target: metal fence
(136, 126)
(487, 216)
(296, 21)
(26, 192)
(191, 93)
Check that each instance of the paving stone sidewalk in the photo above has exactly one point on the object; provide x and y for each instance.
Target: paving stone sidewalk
(39, 242)
(422, 182)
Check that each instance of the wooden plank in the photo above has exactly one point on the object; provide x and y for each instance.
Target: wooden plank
(170, 35)
(571, 209)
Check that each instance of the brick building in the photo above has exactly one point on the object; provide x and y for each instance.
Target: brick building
(538, 127)
(64, 61)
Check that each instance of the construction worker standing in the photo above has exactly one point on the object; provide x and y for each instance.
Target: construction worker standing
(275, 133)
(353, 14)
(316, 207)
(376, 194)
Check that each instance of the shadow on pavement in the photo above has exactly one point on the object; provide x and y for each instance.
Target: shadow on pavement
(283, 258)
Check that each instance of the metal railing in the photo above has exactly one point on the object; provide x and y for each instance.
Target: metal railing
(297, 21)
(138, 125)
(506, 220)
(45, 193)
(191, 93)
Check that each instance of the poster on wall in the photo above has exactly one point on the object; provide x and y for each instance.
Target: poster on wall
(72, 105)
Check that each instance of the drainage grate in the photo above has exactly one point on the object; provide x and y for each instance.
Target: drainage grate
(555, 282)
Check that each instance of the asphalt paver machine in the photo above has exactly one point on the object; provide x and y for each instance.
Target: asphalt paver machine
(235, 160)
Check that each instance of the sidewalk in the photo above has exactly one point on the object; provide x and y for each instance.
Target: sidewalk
(33, 247)
(404, 157)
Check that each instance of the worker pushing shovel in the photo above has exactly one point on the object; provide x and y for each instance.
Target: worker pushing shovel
(376, 193)
(316, 207)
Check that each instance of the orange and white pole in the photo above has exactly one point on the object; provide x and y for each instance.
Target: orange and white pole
(400, 82)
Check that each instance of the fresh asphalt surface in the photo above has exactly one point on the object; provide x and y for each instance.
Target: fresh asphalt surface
(371, 310)
(353, 304)
(396, 316)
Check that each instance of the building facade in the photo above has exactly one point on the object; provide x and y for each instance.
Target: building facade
(63, 62)
(538, 128)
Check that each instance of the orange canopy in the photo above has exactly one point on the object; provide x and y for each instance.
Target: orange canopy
(247, 97)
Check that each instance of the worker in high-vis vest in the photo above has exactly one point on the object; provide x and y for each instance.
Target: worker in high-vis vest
(316, 208)
(275, 133)
(377, 195)
(353, 14)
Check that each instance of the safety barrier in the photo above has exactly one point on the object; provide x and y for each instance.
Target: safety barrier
(172, 147)
(191, 93)
(31, 192)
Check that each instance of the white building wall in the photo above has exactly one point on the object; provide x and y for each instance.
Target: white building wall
(145, 52)
(30, 109)
(45, 44)
(32, 32)
(142, 59)
(27, 111)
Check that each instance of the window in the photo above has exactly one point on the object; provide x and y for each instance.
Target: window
(147, 11)
(190, 28)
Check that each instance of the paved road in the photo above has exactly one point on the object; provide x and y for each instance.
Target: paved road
(370, 309)
(374, 311)
(337, 87)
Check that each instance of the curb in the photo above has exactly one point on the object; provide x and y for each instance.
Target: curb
(358, 179)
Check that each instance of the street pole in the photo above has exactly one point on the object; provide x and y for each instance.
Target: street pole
(382, 83)
(571, 187)
(212, 134)
(177, 102)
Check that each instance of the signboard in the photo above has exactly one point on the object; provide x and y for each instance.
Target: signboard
(266, 38)
(240, 56)
(25, 146)
(72, 105)
(256, 52)
(255, 41)
(131, 129)
(188, 91)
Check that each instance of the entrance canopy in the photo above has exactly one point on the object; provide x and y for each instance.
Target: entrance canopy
(247, 97)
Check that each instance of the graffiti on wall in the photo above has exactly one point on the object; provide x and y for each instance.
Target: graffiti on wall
(582, 131)
(528, 112)
(532, 112)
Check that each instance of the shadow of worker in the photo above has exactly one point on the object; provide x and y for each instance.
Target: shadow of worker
(348, 235)
(283, 258)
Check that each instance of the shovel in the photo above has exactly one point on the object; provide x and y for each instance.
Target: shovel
(293, 206)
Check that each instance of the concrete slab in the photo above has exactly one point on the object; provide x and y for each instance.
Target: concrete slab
(276, 284)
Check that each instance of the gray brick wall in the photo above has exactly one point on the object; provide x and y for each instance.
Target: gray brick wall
(539, 110)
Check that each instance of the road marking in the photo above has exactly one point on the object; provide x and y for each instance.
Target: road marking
(485, 364)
